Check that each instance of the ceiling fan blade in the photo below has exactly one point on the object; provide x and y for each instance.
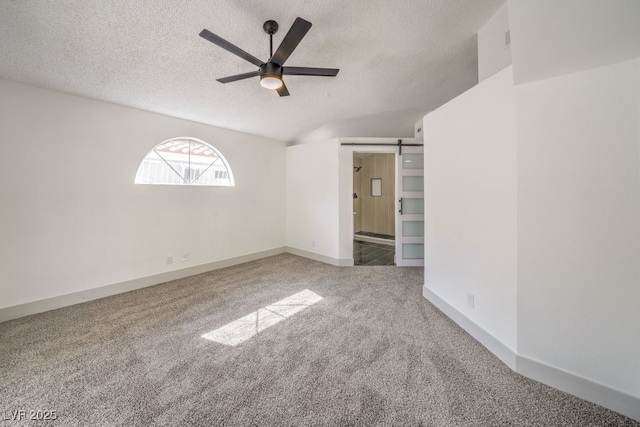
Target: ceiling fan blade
(308, 71)
(283, 91)
(297, 31)
(239, 77)
(217, 40)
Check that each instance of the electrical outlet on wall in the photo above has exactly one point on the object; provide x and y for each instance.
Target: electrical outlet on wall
(185, 256)
(169, 259)
(313, 243)
(471, 300)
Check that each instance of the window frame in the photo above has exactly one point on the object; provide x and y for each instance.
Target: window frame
(138, 179)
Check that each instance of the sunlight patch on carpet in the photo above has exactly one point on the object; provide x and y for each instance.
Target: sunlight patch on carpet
(242, 329)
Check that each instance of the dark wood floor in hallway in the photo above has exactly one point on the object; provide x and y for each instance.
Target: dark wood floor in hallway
(366, 253)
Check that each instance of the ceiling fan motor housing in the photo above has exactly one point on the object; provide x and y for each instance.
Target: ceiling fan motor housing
(271, 69)
(271, 75)
(271, 72)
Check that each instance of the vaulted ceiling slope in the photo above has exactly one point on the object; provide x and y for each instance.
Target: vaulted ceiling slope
(409, 55)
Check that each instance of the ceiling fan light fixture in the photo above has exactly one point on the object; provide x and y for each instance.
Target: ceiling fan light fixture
(271, 82)
(271, 72)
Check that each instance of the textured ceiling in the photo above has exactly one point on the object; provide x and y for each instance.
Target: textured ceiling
(393, 55)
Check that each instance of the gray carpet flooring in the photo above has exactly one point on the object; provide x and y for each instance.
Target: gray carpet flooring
(371, 352)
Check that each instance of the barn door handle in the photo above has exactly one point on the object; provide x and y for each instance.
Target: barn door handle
(400, 205)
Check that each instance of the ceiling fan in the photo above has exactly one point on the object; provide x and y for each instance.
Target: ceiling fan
(271, 72)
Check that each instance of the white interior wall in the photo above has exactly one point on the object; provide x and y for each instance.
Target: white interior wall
(312, 213)
(552, 38)
(346, 226)
(579, 224)
(494, 53)
(72, 218)
(391, 124)
(470, 205)
(575, 246)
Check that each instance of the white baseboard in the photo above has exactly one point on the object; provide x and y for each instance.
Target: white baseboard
(338, 262)
(40, 306)
(494, 345)
(568, 382)
(583, 388)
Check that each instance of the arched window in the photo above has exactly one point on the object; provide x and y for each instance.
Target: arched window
(184, 161)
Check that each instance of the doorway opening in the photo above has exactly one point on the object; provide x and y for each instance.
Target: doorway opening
(374, 208)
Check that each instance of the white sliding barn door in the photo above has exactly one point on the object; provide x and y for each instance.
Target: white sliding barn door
(410, 212)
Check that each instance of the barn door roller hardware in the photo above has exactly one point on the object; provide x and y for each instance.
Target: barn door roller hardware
(399, 145)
